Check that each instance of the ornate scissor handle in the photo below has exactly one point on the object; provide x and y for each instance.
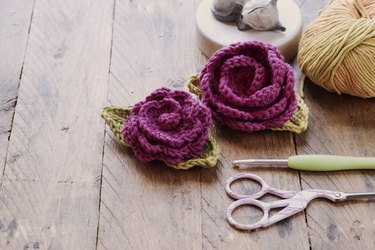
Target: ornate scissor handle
(266, 220)
(248, 201)
(290, 206)
(252, 200)
(252, 177)
(265, 188)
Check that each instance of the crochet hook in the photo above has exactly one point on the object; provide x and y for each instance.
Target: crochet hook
(313, 162)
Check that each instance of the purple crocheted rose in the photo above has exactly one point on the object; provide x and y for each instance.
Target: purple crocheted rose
(249, 87)
(170, 126)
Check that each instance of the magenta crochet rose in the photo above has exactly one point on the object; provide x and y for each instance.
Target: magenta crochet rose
(170, 126)
(249, 87)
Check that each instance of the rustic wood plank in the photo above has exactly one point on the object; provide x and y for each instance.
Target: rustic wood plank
(15, 19)
(216, 231)
(341, 125)
(152, 206)
(149, 206)
(50, 193)
(49, 197)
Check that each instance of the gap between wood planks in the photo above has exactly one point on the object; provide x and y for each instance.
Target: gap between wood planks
(104, 129)
(15, 99)
(301, 188)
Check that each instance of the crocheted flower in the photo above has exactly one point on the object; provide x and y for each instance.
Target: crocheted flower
(170, 126)
(249, 87)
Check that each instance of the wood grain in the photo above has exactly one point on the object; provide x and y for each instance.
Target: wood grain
(50, 192)
(15, 19)
(152, 206)
(216, 231)
(339, 125)
(67, 184)
(149, 206)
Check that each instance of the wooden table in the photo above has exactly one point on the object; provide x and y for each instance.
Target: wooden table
(66, 183)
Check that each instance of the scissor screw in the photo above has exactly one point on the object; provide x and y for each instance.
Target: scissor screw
(338, 195)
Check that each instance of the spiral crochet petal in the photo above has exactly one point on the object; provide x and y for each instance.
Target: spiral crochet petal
(249, 87)
(115, 116)
(170, 126)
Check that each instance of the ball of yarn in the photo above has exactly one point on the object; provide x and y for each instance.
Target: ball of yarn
(249, 87)
(337, 51)
(170, 126)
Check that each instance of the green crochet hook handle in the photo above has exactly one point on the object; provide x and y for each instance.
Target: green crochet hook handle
(330, 162)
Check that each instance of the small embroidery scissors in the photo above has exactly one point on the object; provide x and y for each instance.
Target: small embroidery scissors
(292, 202)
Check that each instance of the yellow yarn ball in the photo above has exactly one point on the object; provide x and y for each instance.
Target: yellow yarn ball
(337, 51)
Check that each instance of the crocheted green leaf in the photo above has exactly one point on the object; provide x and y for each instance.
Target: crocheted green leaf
(114, 117)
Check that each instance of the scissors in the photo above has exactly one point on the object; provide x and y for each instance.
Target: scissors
(292, 202)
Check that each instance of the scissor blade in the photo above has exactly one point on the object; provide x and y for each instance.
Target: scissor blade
(356, 196)
(257, 162)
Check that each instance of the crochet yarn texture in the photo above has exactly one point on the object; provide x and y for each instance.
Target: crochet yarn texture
(170, 126)
(296, 124)
(337, 50)
(249, 87)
